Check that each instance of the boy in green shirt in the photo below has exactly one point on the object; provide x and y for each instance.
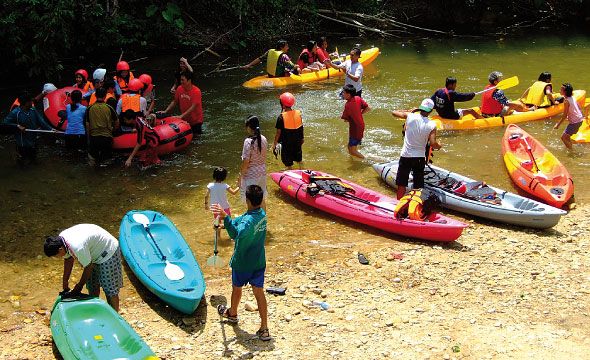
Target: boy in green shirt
(248, 261)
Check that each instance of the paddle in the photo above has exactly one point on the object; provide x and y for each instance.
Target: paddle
(44, 131)
(216, 261)
(504, 84)
(172, 271)
(530, 151)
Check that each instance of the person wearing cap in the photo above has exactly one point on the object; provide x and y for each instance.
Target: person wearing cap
(23, 117)
(99, 254)
(353, 71)
(188, 98)
(289, 132)
(47, 88)
(444, 101)
(132, 100)
(97, 81)
(420, 130)
(495, 103)
(354, 109)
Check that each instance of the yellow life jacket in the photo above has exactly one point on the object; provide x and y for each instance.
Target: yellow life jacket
(271, 61)
(411, 206)
(537, 96)
(292, 119)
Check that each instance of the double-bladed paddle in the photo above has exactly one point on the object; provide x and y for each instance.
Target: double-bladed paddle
(504, 84)
(172, 271)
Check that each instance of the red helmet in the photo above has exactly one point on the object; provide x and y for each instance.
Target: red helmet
(135, 85)
(145, 78)
(122, 65)
(287, 99)
(83, 73)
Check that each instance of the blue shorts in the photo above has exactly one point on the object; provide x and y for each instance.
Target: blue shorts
(353, 142)
(571, 129)
(241, 278)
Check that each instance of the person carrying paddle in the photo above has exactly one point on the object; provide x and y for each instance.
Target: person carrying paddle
(444, 101)
(495, 103)
(98, 252)
(278, 63)
(24, 117)
(248, 261)
(419, 131)
(571, 110)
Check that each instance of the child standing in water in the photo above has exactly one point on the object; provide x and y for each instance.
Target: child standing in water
(216, 193)
(354, 109)
(571, 110)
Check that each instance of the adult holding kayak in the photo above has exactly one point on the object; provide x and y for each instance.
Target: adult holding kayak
(278, 63)
(540, 93)
(353, 70)
(97, 251)
(444, 101)
(419, 131)
(494, 102)
(188, 98)
(253, 170)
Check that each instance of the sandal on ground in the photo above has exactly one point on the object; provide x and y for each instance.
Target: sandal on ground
(263, 335)
(224, 312)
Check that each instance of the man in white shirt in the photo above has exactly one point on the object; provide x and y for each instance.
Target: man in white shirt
(353, 70)
(99, 254)
(419, 131)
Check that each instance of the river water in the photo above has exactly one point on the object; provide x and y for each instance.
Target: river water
(61, 190)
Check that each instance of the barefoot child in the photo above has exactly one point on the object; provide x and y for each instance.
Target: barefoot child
(354, 109)
(216, 192)
(248, 261)
(574, 115)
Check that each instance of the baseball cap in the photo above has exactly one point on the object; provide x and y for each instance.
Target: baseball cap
(427, 105)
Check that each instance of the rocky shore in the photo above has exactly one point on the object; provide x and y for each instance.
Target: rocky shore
(499, 292)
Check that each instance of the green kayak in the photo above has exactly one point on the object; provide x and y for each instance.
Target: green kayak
(88, 328)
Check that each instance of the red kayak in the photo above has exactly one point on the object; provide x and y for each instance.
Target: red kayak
(534, 169)
(368, 207)
(54, 106)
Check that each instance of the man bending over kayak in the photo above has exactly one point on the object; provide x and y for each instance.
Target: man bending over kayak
(445, 98)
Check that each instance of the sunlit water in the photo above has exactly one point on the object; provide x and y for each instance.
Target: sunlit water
(61, 190)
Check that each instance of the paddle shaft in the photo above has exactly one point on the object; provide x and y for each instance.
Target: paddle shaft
(155, 243)
(354, 197)
(530, 151)
(44, 131)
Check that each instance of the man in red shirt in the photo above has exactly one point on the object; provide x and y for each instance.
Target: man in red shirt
(188, 97)
(354, 109)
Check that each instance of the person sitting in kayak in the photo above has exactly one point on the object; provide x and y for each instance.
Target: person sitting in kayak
(323, 54)
(148, 92)
(495, 103)
(571, 110)
(278, 63)
(308, 60)
(122, 79)
(133, 100)
(444, 101)
(97, 81)
(540, 93)
(82, 82)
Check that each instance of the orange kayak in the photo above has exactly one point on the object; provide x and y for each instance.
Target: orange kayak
(583, 134)
(534, 169)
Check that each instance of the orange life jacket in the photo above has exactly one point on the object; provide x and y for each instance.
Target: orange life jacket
(86, 88)
(130, 101)
(14, 104)
(488, 104)
(411, 206)
(292, 119)
(123, 84)
(93, 98)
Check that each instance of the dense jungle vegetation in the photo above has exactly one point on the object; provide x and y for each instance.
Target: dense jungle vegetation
(40, 36)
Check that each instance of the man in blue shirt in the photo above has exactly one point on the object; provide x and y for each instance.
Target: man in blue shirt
(25, 117)
(248, 261)
(444, 101)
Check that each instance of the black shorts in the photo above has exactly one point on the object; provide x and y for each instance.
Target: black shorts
(100, 147)
(291, 151)
(414, 164)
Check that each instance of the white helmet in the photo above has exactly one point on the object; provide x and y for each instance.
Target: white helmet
(99, 74)
(49, 87)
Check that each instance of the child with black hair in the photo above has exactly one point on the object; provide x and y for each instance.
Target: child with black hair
(216, 193)
(248, 262)
(75, 135)
(571, 110)
(354, 109)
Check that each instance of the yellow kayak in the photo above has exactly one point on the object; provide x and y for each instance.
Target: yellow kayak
(468, 122)
(583, 134)
(367, 57)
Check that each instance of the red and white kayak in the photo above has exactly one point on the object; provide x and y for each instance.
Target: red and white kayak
(174, 134)
(373, 208)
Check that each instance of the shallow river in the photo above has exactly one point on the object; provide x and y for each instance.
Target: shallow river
(61, 190)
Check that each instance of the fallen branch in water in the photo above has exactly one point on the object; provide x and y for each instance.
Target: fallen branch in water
(352, 23)
(131, 61)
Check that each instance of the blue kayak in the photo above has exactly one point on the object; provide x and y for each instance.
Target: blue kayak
(156, 253)
(88, 328)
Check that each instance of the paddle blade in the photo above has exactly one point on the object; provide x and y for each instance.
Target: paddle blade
(216, 261)
(507, 83)
(173, 271)
(141, 219)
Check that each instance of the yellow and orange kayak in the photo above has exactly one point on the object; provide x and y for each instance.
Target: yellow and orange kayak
(468, 122)
(583, 134)
(367, 57)
(534, 169)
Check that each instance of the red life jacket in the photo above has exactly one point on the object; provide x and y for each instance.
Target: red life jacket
(312, 59)
(488, 104)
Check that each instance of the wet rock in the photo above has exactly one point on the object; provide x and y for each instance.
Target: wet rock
(189, 321)
(250, 306)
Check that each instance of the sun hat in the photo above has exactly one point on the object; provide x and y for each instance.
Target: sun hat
(427, 105)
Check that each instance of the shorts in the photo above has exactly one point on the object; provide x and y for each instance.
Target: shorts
(227, 211)
(108, 275)
(354, 142)
(241, 278)
(291, 152)
(414, 164)
(260, 181)
(571, 129)
(197, 128)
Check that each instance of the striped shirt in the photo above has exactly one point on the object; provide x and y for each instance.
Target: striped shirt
(257, 165)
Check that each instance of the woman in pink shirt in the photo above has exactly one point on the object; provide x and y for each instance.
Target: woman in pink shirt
(253, 160)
